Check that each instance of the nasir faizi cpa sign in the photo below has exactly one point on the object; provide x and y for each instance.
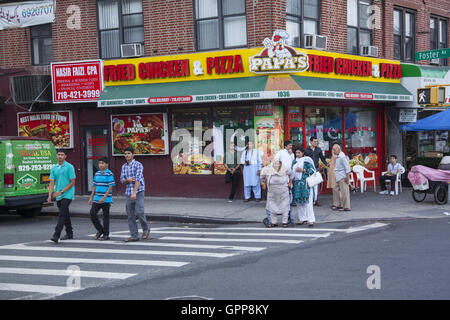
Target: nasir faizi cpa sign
(25, 14)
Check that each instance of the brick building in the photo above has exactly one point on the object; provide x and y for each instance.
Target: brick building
(89, 29)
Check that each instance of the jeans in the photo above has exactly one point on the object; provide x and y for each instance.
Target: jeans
(136, 208)
(235, 178)
(383, 182)
(63, 217)
(94, 217)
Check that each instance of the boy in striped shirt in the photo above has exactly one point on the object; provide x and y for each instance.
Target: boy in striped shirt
(101, 198)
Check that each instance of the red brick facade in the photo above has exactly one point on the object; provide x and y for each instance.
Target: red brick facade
(169, 28)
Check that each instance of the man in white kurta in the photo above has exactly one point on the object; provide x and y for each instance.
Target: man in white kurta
(251, 161)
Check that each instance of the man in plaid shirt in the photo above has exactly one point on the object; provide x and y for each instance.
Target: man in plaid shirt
(132, 176)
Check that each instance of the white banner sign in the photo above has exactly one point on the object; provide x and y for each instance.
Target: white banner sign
(25, 14)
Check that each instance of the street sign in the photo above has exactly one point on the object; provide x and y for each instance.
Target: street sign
(424, 96)
(408, 115)
(432, 54)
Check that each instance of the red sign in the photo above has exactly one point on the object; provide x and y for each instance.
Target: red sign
(357, 95)
(53, 125)
(76, 81)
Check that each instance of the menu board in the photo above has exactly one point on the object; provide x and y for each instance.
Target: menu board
(53, 125)
(269, 133)
(145, 133)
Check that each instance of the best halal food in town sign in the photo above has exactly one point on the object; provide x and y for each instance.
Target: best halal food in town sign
(276, 57)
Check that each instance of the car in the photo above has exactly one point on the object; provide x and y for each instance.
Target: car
(25, 164)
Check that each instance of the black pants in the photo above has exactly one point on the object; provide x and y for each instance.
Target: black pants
(383, 182)
(63, 217)
(235, 178)
(94, 217)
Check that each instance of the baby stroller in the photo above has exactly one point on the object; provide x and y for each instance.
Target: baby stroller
(427, 180)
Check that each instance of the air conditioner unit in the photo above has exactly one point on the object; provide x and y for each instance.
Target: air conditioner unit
(131, 50)
(26, 89)
(435, 61)
(370, 51)
(315, 41)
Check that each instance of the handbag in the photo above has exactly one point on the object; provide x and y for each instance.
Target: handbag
(314, 179)
(228, 177)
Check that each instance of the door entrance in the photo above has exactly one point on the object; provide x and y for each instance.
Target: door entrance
(96, 146)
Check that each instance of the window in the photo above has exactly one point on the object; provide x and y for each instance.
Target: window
(359, 33)
(41, 44)
(220, 24)
(438, 35)
(119, 22)
(361, 136)
(325, 123)
(302, 17)
(404, 34)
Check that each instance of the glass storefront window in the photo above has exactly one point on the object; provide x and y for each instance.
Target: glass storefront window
(325, 123)
(227, 122)
(361, 136)
(190, 158)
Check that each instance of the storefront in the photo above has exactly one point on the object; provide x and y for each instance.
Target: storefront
(426, 147)
(180, 112)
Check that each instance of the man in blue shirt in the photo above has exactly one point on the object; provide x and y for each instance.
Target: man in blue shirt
(391, 174)
(62, 180)
(132, 175)
(101, 198)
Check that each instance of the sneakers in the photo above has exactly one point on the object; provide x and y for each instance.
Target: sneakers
(392, 193)
(384, 192)
(54, 238)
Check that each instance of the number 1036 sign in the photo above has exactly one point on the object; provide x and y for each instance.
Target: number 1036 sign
(79, 81)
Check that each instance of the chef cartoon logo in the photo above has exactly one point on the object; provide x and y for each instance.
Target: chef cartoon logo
(278, 57)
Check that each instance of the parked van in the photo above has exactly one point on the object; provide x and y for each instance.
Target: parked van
(25, 165)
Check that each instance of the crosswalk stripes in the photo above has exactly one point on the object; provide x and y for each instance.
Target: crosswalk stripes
(175, 247)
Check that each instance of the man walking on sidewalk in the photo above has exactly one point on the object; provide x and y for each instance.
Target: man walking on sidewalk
(62, 179)
(101, 198)
(315, 153)
(341, 193)
(132, 175)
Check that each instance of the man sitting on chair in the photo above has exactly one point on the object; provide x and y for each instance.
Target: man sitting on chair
(391, 174)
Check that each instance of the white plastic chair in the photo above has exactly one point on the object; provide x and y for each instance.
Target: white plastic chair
(352, 180)
(398, 180)
(360, 170)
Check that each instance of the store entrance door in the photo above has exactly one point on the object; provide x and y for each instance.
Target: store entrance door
(96, 144)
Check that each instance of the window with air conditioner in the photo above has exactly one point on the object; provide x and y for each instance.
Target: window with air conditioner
(119, 22)
(302, 18)
(359, 30)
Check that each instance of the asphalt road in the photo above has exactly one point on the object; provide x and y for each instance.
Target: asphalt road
(399, 259)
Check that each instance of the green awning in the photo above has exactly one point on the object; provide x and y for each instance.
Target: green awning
(251, 88)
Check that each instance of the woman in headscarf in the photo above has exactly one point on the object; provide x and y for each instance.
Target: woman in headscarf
(303, 194)
(277, 179)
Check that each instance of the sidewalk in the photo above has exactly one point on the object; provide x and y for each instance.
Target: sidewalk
(366, 206)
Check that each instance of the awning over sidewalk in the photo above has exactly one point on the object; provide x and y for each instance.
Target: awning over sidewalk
(438, 121)
(250, 88)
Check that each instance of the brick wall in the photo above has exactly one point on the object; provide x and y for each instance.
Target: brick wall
(169, 28)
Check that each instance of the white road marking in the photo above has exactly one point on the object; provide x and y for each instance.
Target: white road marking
(263, 229)
(95, 261)
(231, 240)
(159, 244)
(324, 235)
(138, 252)
(36, 288)
(366, 227)
(63, 272)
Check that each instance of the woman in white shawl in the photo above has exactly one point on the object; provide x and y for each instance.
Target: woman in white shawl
(303, 194)
(277, 178)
